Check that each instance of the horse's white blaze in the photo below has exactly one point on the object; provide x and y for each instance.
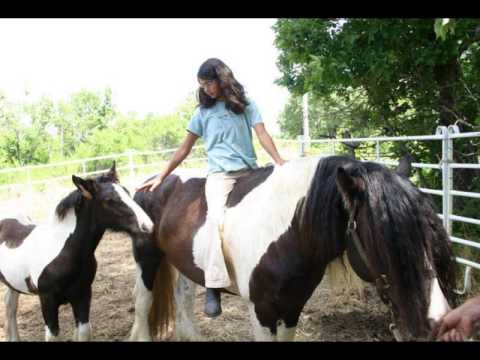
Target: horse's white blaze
(84, 331)
(37, 250)
(143, 219)
(260, 218)
(438, 303)
(143, 304)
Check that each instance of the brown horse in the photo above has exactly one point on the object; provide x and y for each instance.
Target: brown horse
(283, 227)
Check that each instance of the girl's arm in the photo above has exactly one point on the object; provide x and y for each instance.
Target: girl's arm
(179, 155)
(267, 143)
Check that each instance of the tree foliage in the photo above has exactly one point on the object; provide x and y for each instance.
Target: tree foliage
(406, 72)
(85, 125)
(328, 115)
(410, 81)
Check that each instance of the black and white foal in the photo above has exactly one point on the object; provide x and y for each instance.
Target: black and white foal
(56, 260)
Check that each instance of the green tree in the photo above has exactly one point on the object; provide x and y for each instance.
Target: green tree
(81, 116)
(24, 139)
(129, 132)
(412, 80)
(328, 116)
(393, 60)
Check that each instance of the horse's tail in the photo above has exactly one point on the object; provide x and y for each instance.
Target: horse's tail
(162, 312)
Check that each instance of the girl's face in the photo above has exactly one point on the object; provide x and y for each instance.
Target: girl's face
(210, 87)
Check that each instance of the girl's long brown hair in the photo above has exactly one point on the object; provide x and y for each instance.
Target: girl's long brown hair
(231, 89)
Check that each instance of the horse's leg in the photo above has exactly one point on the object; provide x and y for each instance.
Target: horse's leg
(263, 333)
(285, 333)
(50, 306)
(81, 312)
(185, 328)
(11, 303)
(143, 301)
(260, 333)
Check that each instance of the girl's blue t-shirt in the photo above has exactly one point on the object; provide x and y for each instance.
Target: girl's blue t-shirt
(227, 136)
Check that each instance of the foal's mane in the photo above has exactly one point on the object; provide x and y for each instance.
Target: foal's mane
(72, 200)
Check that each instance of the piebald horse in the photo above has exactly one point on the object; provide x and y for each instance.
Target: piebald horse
(283, 226)
(56, 260)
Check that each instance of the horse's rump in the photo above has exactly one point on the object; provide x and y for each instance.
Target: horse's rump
(13, 232)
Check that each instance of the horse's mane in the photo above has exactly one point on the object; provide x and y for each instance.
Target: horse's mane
(71, 200)
(323, 209)
(407, 228)
(402, 225)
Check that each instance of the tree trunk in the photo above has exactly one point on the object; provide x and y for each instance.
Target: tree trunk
(447, 77)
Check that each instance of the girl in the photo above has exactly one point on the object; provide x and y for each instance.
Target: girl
(224, 120)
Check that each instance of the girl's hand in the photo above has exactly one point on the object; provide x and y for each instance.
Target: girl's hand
(151, 184)
(457, 325)
(281, 162)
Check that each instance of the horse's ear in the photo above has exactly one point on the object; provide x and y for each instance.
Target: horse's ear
(86, 187)
(112, 173)
(404, 167)
(349, 185)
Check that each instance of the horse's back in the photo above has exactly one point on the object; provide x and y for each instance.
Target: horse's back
(40, 245)
(184, 187)
(14, 231)
(247, 183)
(178, 209)
(175, 192)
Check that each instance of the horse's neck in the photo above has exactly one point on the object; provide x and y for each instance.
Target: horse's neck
(86, 234)
(89, 234)
(271, 240)
(319, 223)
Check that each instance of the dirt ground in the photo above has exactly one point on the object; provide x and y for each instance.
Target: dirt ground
(326, 317)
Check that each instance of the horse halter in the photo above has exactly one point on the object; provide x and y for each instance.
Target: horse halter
(381, 282)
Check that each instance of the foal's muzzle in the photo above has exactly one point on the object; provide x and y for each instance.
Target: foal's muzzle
(146, 227)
